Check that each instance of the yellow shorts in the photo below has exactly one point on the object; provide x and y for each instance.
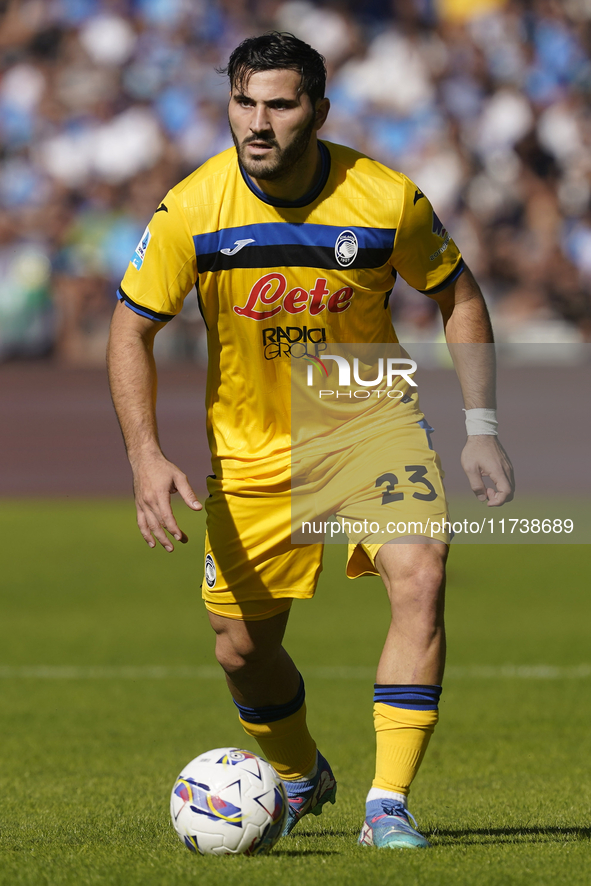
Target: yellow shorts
(250, 610)
(382, 492)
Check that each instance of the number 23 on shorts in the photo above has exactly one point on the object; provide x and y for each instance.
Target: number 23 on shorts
(416, 475)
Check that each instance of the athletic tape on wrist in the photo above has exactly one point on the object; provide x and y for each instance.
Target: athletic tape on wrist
(481, 421)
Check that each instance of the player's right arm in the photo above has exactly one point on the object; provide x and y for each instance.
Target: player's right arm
(162, 271)
(133, 380)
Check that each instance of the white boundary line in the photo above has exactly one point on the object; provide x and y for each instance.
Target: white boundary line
(212, 672)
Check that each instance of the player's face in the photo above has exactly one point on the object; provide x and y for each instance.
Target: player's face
(272, 123)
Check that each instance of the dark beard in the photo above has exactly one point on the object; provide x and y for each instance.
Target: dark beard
(284, 160)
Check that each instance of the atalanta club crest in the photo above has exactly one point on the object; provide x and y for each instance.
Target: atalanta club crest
(346, 248)
(210, 572)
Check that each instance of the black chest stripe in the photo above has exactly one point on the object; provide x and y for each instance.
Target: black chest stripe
(291, 256)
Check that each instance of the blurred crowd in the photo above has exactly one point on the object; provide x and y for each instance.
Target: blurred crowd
(105, 104)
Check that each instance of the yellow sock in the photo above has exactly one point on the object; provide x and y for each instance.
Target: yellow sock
(402, 736)
(287, 744)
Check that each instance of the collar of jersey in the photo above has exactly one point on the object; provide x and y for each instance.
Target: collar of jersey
(309, 197)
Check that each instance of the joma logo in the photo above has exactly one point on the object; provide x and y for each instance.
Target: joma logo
(270, 290)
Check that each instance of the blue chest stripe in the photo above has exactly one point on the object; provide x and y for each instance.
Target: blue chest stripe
(290, 234)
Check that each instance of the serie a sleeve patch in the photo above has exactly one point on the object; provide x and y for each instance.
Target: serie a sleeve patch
(163, 268)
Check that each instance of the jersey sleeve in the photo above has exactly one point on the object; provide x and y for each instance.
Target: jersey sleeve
(424, 253)
(163, 268)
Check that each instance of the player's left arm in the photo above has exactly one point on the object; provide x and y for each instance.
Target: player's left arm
(429, 260)
(469, 334)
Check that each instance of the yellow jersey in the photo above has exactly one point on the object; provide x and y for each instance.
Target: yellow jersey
(277, 280)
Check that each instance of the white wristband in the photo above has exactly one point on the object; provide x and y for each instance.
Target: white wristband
(481, 421)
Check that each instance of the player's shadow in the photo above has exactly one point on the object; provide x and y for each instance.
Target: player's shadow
(327, 832)
(298, 853)
(315, 835)
(533, 834)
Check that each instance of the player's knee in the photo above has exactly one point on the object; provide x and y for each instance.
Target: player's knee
(243, 645)
(418, 606)
(423, 590)
(237, 651)
(421, 575)
(231, 654)
(416, 586)
(427, 579)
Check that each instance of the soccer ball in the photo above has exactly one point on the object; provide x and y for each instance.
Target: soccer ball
(228, 802)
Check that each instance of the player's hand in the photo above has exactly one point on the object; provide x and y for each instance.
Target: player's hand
(483, 456)
(154, 481)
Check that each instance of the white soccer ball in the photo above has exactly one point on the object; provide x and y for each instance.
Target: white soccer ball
(228, 802)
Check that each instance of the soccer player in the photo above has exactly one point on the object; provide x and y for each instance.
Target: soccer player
(287, 238)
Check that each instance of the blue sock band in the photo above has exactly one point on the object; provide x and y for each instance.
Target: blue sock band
(413, 697)
(273, 712)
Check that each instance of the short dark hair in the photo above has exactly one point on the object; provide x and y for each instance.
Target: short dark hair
(278, 50)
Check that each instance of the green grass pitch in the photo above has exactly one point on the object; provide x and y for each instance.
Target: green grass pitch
(92, 739)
